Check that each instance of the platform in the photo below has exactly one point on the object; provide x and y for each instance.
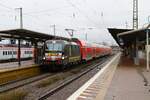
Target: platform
(97, 86)
(123, 82)
(130, 82)
(14, 65)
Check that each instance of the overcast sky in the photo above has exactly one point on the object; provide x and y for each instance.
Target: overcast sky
(91, 17)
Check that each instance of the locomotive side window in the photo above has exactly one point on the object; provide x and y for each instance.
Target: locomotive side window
(77, 50)
(66, 50)
(72, 50)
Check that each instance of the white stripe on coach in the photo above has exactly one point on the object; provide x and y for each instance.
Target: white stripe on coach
(76, 94)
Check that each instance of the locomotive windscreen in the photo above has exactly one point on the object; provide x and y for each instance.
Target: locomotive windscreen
(54, 46)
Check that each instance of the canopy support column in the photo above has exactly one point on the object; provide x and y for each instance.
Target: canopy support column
(19, 53)
(147, 50)
(35, 52)
(136, 61)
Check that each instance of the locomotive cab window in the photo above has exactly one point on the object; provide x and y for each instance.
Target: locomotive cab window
(54, 46)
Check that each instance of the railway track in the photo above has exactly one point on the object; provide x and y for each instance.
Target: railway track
(61, 86)
(18, 84)
(11, 85)
(9, 75)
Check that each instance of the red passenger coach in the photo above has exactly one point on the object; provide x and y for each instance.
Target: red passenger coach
(85, 49)
(90, 51)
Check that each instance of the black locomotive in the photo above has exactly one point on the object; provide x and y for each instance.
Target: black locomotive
(61, 52)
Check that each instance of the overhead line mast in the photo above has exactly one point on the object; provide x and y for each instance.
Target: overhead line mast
(135, 14)
(135, 26)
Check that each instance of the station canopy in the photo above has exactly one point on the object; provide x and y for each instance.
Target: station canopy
(125, 37)
(27, 35)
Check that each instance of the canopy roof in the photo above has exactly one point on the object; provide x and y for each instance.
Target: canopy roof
(128, 35)
(27, 35)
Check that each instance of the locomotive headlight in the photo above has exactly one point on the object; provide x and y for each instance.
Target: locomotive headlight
(44, 58)
(63, 57)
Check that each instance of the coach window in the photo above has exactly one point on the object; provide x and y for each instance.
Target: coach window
(3, 52)
(10, 52)
(14, 52)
